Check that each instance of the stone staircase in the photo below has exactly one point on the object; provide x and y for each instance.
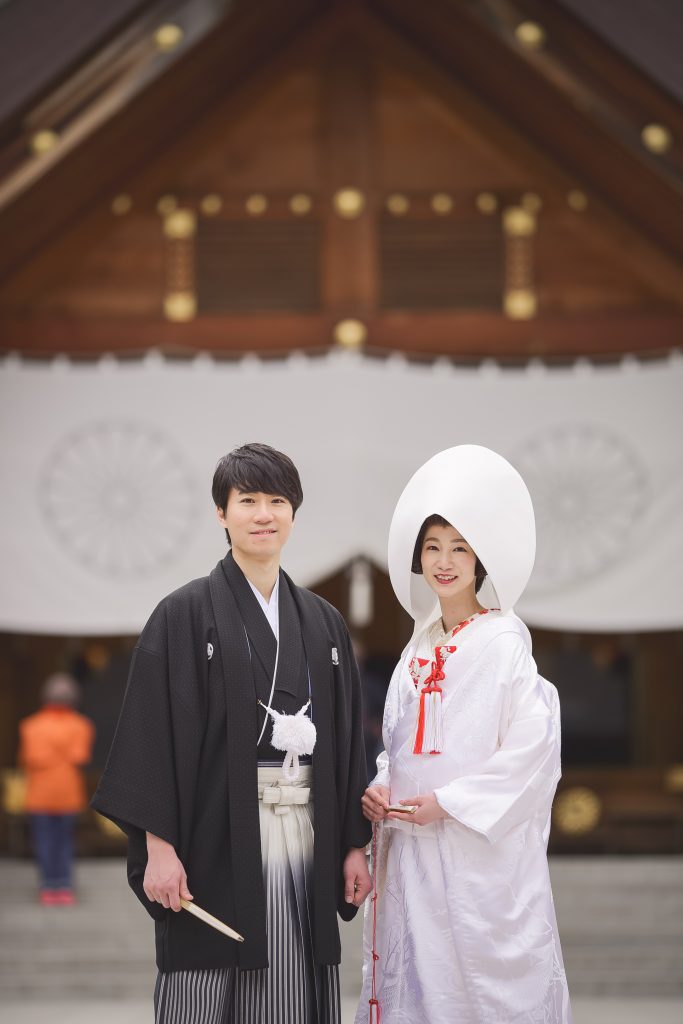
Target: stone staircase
(102, 947)
(621, 925)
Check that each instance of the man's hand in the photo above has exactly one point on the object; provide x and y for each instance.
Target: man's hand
(375, 802)
(357, 882)
(428, 810)
(165, 880)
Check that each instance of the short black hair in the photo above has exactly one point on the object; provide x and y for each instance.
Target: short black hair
(256, 467)
(416, 566)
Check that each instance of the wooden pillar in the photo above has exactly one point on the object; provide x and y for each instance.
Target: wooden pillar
(349, 258)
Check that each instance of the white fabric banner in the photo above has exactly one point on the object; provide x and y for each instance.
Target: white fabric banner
(106, 476)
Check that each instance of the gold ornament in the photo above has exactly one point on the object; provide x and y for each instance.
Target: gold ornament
(256, 204)
(13, 783)
(180, 224)
(673, 779)
(180, 306)
(300, 204)
(577, 200)
(577, 810)
(518, 222)
(109, 828)
(43, 141)
(166, 204)
(520, 304)
(657, 138)
(531, 202)
(487, 202)
(350, 333)
(168, 37)
(441, 203)
(348, 202)
(121, 204)
(530, 35)
(398, 204)
(211, 205)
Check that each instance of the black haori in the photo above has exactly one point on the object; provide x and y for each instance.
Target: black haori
(185, 751)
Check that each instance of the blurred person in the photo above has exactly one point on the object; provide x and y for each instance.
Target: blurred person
(464, 927)
(196, 776)
(55, 743)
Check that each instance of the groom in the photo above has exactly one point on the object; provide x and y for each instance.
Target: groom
(185, 773)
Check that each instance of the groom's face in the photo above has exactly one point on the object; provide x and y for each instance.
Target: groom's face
(259, 524)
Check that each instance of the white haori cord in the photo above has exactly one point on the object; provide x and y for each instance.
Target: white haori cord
(295, 734)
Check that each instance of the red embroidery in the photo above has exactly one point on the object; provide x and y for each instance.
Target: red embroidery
(415, 668)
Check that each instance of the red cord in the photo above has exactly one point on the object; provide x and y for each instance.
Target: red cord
(375, 1008)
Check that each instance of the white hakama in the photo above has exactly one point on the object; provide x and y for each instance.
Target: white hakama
(293, 989)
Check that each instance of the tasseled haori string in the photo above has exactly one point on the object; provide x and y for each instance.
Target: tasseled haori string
(375, 1009)
(429, 730)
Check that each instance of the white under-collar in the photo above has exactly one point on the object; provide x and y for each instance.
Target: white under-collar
(270, 608)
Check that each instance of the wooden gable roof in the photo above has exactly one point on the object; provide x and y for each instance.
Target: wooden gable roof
(365, 171)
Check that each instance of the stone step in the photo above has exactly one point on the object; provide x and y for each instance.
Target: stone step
(621, 927)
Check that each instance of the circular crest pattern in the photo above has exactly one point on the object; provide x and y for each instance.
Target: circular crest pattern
(588, 488)
(118, 496)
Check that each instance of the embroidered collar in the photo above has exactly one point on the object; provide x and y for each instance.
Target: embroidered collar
(438, 642)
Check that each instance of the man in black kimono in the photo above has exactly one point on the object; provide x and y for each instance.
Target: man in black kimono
(194, 781)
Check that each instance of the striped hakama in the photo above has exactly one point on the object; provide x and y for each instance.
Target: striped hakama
(293, 989)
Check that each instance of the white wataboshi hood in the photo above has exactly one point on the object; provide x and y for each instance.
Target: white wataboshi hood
(480, 494)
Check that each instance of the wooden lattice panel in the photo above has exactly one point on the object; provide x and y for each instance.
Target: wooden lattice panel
(454, 263)
(244, 266)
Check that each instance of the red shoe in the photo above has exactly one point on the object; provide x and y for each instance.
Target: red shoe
(65, 897)
(49, 897)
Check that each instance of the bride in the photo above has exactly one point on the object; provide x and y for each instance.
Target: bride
(462, 926)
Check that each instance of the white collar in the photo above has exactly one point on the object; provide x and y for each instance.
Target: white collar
(271, 607)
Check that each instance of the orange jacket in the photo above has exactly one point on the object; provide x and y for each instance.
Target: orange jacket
(53, 744)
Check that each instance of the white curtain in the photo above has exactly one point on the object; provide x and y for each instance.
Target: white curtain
(106, 476)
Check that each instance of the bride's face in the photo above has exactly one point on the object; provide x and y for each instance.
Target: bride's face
(448, 561)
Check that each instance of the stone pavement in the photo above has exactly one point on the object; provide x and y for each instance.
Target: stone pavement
(621, 925)
(136, 1011)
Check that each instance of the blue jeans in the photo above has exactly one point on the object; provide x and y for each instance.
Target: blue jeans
(53, 847)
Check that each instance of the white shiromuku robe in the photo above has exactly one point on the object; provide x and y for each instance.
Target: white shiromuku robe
(466, 929)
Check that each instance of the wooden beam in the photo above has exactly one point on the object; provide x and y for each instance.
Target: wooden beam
(456, 335)
(229, 335)
(246, 40)
(572, 44)
(350, 272)
(471, 70)
(152, 177)
(481, 335)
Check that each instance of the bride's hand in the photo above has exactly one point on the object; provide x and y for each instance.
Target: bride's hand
(428, 810)
(375, 803)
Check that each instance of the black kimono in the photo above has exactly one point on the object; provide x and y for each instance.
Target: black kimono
(183, 766)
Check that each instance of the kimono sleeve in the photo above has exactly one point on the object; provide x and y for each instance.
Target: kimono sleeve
(138, 790)
(356, 831)
(518, 781)
(383, 776)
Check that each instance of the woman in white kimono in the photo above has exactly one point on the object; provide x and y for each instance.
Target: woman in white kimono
(462, 928)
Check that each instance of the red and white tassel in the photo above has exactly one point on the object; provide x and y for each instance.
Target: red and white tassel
(429, 727)
(433, 730)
